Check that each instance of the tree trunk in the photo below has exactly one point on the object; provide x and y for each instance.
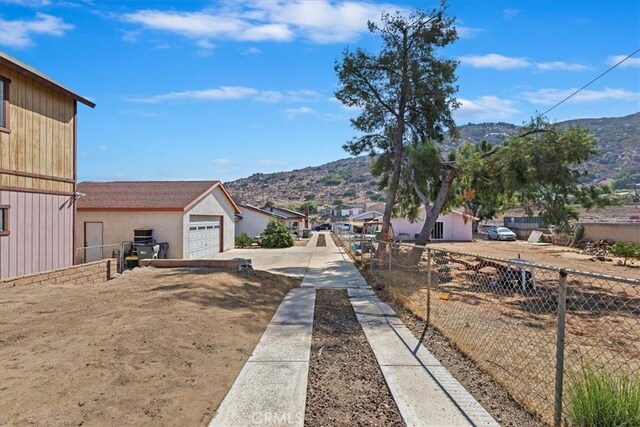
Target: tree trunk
(430, 221)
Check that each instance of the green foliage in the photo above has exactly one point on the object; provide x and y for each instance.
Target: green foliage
(338, 202)
(313, 207)
(332, 182)
(276, 235)
(404, 92)
(626, 250)
(308, 197)
(243, 240)
(602, 399)
(350, 193)
(627, 178)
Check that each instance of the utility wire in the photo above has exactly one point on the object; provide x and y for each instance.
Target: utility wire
(583, 87)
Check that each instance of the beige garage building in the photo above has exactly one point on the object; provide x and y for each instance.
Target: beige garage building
(196, 218)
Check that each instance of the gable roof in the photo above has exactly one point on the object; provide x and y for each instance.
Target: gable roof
(261, 211)
(24, 69)
(146, 195)
(286, 213)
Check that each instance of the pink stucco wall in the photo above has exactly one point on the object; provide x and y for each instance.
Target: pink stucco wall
(41, 233)
(456, 229)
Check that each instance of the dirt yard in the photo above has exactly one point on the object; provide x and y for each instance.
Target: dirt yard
(154, 347)
(557, 256)
(510, 332)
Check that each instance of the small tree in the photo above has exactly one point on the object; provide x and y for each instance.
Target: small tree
(276, 235)
(626, 250)
(243, 240)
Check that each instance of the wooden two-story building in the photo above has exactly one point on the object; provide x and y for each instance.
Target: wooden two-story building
(38, 140)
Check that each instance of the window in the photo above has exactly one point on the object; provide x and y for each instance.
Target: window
(4, 220)
(438, 231)
(4, 104)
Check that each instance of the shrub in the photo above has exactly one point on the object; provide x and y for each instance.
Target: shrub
(626, 250)
(276, 235)
(350, 193)
(332, 181)
(243, 240)
(601, 399)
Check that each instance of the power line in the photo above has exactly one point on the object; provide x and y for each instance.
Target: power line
(583, 87)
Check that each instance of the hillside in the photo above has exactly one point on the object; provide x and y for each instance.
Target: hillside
(349, 182)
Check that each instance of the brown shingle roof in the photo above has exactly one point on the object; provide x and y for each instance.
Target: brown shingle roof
(144, 195)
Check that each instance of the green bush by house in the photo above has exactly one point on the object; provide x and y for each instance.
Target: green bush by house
(276, 235)
(243, 240)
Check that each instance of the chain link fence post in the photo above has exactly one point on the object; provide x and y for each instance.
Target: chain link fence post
(562, 309)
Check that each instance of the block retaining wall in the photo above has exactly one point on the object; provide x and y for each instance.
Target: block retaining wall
(92, 272)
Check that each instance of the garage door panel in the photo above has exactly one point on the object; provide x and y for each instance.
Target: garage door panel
(204, 238)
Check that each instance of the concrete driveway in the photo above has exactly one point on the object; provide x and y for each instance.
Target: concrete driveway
(292, 261)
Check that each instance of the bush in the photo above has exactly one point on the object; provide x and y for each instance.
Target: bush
(600, 399)
(243, 240)
(350, 193)
(626, 250)
(276, 235)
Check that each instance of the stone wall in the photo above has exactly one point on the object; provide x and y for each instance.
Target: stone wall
(93, 272)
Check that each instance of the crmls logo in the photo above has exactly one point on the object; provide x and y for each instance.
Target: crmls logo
(284, 418)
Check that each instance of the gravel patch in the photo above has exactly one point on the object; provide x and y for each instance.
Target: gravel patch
(345, 384)
(493, 397)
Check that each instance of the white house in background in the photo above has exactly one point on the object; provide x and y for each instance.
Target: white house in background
(295, 221)
(454, 226)
(254, 220)
(196, 218)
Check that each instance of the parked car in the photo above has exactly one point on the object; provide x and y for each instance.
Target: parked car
(322, 227)
(501, 233)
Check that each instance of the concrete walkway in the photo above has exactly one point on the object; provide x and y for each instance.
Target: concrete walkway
(271, 388)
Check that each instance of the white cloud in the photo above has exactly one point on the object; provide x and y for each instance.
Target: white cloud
(510, 13)
(19, 33)
(485, 108)
(467, 32)
(293, 112)
(224, 93)
(501, 62)
(552, 96)
(104, 147)
(319, 21)
(562, 66)
(494, 60)
(233, 93)
(222, 162)
(252, 51)
(629, 63)
(130, 36)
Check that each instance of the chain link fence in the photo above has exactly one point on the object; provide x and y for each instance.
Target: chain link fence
(533, 328)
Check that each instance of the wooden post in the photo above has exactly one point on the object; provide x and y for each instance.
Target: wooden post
(428, 287)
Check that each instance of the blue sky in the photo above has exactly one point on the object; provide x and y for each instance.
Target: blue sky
(220, 90)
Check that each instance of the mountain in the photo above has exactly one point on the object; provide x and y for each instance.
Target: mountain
(349, 181)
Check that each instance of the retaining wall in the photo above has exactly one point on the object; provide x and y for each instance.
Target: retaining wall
(92, 272)
(615, 231)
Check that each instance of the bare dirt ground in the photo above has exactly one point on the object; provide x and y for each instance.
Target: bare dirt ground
(607, 212)
(553, 255)
(322, 241)
(154, 347)
(346, 386)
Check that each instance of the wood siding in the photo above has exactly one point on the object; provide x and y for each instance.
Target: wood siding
(39, 153)
(40, 233)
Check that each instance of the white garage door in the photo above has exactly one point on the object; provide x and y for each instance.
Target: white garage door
(204, 238)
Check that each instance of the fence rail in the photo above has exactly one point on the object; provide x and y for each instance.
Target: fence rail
(534, 328)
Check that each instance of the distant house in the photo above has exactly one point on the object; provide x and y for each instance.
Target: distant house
(38, 140)
(454, 226)
(196, 218)
(253, 220)
(295, 221)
